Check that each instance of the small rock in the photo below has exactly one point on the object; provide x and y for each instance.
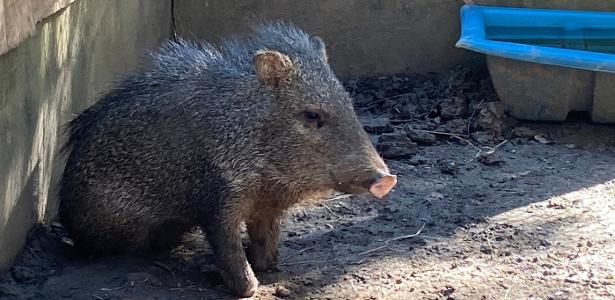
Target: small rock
(524, 132)
(68, 241)
(174, 282)
(490, 159)
(457, 126)
(397, 137)
(518, 141)
(418, 160)
(453, 108)
(491, 117)
(448, 167)
(395, 145)
(483, 137)
(421, 136)
(486, 250)
(364, 99)
(543, 140)
(22, 274)
(448, 291)
(377, 125)
(308, 281)
(8, 290)
(559, 295)
(281, 291)
(407, 111)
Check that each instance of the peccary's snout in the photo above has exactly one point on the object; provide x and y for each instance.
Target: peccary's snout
(376, 180)
(382, 184)
(378, 183)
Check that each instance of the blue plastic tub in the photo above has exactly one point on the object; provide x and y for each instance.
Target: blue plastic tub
(577, 39)
(546, 63)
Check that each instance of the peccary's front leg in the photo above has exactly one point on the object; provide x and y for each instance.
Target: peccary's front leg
(264, 230)
(222, 228)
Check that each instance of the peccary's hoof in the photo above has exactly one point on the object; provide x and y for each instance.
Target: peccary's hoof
(259, 261)
(243, 285)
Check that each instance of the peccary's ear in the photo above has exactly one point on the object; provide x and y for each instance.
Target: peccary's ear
(272, 67)
(319, 45)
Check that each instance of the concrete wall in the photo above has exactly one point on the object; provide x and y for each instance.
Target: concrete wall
(364, 37)
(73, 56)
(18, 19)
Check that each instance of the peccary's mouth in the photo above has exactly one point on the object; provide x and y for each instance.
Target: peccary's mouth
(379, 185)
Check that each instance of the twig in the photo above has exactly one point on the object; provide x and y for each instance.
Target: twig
(457, 136)
(396, 96)
(489, 150)
(506, 294)
(469, 143)
(339, 197)
(472, 115)
(295, 254)
(115, 288)
(329, 209)
(357, 262)
(393, 121)
(308, 262)
(492, 150)
(32, 252)
(374, 104)
(191, 288)
(386, 243)
(159, 264)
(442, 133)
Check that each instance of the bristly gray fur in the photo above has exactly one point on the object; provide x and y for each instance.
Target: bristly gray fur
(200, 139)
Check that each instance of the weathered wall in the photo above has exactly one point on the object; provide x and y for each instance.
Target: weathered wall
(18, 19)
(72, 57)
(364, 37)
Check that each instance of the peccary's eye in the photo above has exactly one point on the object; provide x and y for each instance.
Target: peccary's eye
(314, 118)
(312, 115)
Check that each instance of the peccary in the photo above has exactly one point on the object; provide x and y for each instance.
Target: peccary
(213, 137)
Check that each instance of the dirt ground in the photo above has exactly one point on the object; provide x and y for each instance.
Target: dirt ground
(486, 208)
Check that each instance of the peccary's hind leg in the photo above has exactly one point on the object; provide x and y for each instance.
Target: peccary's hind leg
(264, 230)
(222, 227)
